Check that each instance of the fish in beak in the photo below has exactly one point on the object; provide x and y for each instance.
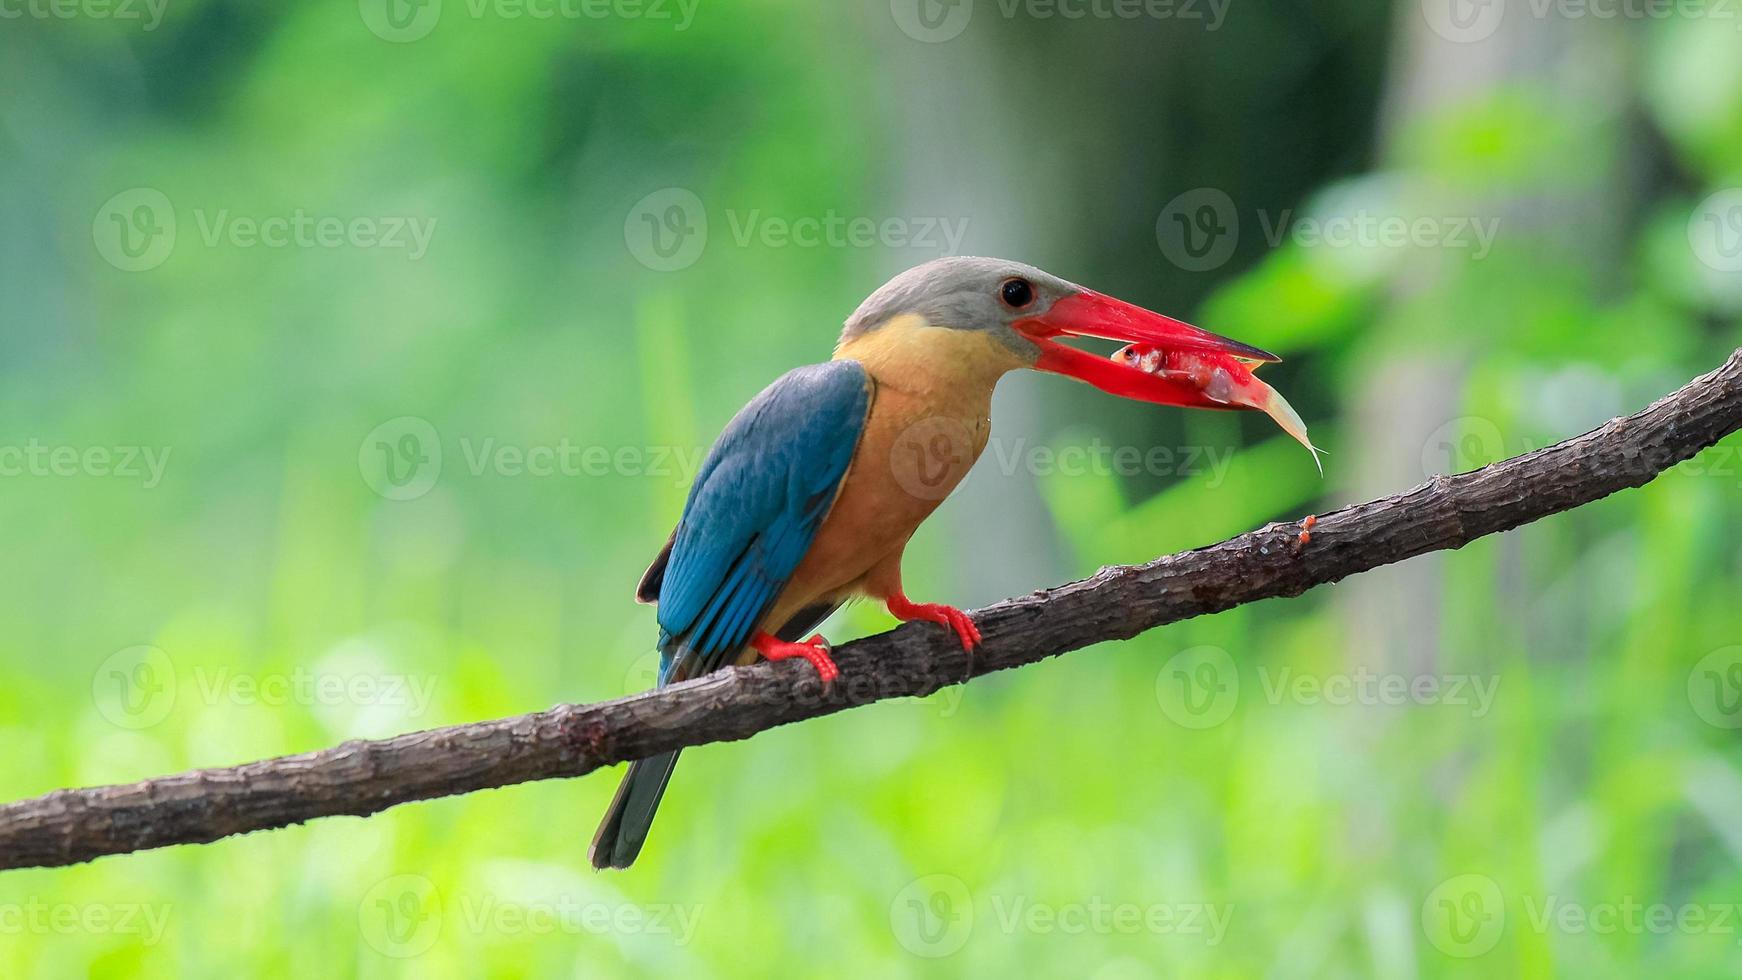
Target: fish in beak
(1165, 361)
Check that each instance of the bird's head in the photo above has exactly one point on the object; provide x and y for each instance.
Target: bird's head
(1025, 312)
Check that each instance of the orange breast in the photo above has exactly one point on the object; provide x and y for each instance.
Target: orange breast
(929, 422)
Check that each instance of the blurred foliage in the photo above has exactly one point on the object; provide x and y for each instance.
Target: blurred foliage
(1067, 819)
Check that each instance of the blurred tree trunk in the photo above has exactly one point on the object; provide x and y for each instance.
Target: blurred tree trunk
(1412, 388)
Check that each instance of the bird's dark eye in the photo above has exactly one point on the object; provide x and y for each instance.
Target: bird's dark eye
(1016, 293)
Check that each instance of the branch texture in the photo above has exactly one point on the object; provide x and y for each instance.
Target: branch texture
(360, 778)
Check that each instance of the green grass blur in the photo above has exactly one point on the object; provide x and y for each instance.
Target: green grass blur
(276, 478)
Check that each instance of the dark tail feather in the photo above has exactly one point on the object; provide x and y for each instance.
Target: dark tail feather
(624, 829)
(630, 814)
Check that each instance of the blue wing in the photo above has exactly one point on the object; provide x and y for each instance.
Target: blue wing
(757, 502)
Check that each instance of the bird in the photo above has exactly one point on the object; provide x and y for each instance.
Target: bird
(813, 489)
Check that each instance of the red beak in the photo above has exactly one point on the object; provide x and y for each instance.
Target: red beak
(1091, 314)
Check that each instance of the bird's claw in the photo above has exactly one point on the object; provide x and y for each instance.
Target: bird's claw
(964, 626)
(956, 620)
(814, 651)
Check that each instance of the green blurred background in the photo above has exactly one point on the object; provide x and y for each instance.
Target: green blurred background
(354, 360)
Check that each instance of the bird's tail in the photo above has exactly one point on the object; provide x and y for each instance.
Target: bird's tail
(630, 814)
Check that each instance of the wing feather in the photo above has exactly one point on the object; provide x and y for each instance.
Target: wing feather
(758, 500)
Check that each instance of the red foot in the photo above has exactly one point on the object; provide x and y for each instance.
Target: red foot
(814, 650)
(906, 610)
(1306, 532)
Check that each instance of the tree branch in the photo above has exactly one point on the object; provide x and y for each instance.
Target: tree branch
(360, 777)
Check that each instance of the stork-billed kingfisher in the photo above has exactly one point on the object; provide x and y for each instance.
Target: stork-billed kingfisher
(806, 499)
